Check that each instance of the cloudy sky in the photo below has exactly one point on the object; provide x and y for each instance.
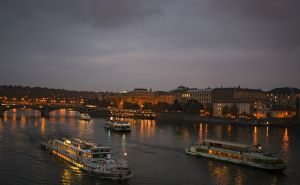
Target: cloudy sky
(160, 44)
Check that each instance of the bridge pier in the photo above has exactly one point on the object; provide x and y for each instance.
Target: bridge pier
(45, 112)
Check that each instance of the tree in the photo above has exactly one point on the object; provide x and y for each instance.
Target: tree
(147, 106)
(176, 106)
(209, 108)
(104, 103)
(252, 110)
(192, 107)
(93, 101)
(225, 110)
(161, 107)
(234, 110)
(129, 105)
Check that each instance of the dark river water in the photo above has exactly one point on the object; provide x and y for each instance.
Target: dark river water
(155, 151)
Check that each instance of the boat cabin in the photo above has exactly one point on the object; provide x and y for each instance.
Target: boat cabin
(83, 148)
(225, 145)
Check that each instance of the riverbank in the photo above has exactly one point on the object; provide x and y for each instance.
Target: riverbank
(178, 116)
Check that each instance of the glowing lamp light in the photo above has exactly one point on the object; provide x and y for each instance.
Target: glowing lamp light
(125, 153)
(68, 141)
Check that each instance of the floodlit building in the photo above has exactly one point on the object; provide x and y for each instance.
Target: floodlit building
(139, 96)
(284, 97)
(248, 101)
(203, 96)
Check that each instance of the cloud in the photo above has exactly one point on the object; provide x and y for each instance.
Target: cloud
(99, 13)
(131, 43)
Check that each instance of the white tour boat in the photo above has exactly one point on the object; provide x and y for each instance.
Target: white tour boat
(236, 153)
(85, 116)
(93, 159)
(118, 126)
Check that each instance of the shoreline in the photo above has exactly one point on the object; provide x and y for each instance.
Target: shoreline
(240, 122)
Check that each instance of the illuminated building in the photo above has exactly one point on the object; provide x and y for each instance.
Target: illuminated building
(247, 101)
(283, 102)
(202, 96)
(284, 97)
(139, 96)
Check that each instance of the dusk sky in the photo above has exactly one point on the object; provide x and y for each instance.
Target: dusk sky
(119, 45)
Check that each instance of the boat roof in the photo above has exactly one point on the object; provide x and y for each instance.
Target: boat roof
(120, 122)
(84, 145)
(226, 143)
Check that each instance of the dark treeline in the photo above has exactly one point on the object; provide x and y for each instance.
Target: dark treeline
(39, 92)
(190, 107)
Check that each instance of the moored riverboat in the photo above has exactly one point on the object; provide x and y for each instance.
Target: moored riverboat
(119, 126)
(85, 117)
(236, 153)
(87, 156)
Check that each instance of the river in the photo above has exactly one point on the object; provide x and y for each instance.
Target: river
(155, 151)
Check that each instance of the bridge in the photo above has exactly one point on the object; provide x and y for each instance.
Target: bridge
(44, 109)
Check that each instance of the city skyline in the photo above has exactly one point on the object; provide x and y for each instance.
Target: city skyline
(112, 45)
(149, 89)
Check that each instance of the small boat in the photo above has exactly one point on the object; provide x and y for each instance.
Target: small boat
(118, 126)
(236, 153)
(84, 116)
(258, 124)
(90, 158)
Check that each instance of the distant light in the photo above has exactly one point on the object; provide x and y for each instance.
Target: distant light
(68, 141)
(125, 153)
(91, 106)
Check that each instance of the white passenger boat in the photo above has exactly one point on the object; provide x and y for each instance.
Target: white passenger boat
(84, 116)
(236, 153)
(118, 126)
(93, 159)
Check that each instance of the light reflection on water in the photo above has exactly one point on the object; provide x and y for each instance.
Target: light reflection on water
(220, 174)
(285, 144)
(229, 130)
(67, 177)
(200, 133)
(255, 135)
(239, 177)
(43, 125)
(154, 146)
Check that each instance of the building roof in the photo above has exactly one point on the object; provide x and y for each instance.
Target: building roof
(236, 89)
(285, 90)
(140, 89)
(199, 90)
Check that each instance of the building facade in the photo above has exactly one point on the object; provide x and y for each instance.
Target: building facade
(247, 101)
(139, 96)
(285, 98)
(203, 96)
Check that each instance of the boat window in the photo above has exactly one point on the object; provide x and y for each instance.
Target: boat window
(99, 155)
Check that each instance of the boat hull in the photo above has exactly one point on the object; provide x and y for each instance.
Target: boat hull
(85, 119)
(76, 162)
(118, 130)
(241, 162)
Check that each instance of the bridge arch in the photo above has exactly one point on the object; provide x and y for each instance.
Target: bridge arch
(43, 109)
